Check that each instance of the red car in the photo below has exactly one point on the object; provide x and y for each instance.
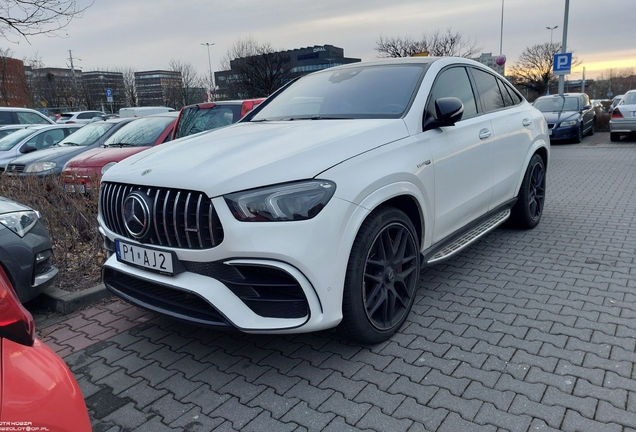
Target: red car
(211, 115)
(37, 389)
(137, 136)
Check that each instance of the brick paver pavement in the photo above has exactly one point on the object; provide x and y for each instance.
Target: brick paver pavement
(524, 331)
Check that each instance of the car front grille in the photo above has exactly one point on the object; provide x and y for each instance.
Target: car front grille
(15, 168)
(179, 218)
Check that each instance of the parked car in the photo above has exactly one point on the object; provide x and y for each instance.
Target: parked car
(12, 115)
(597, 106)
(38, 390)
(623, 120)
(321, 206)
(569, 116)
(32, 139)
(25, 249)
(140, 135)
(81, 117)
(615, 101)
(50, 161)
(9, 129)
(211, 115)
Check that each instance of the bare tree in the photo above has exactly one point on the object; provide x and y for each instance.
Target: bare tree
(129, 90)
(437, 44)
(192, 84)
(258, 69)
(26, 18)
(533, 70)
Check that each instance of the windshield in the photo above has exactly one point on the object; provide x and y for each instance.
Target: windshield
(10, 141)
(353, 93)
(142, 132)
(86, 135)
(557, 104)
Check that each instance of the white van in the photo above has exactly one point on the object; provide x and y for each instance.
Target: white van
(143, 111)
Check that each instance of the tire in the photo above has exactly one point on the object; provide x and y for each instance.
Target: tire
(527, 211)
(382, 276)
(614, 137)
(579, 134)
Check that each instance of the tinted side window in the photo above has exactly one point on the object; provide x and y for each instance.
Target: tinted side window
(491, 97)
(453, 82)
(30, 118)
(5, 118)
(504, 94)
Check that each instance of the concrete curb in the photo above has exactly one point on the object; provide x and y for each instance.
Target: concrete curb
(66, 302)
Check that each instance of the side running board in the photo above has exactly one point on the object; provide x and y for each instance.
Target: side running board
(469, 237)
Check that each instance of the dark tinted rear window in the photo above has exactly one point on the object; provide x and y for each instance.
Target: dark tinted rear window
(194, 119)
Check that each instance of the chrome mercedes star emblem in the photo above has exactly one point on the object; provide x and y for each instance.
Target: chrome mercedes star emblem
(136, 209)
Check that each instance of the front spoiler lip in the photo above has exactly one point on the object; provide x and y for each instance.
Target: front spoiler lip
(235, 306)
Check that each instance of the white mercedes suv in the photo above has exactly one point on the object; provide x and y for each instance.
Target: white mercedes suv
(321, 207)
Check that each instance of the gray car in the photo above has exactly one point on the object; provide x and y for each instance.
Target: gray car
(623, 119)
(13, 115)
(32, 139)
(52, 160)
(25, 249)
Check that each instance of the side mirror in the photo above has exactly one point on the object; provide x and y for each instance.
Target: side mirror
(587, 107)
(449, 110)
(28, 149)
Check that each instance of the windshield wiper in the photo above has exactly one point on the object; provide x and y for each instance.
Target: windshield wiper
(121, 145)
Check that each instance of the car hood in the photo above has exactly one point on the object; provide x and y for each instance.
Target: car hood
(8, 206)
(101, 156)
(247, 155)
(50, 154)
(560, 116)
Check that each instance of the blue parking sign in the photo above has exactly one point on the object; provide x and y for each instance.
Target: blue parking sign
(562, 64)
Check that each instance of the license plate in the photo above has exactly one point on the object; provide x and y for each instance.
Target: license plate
(73, 188)
(633, 113)
(144, 257)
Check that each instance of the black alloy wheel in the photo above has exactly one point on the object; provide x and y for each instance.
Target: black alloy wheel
(528, 209)
(382, 276)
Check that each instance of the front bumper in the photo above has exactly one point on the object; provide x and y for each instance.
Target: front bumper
(273, 277)
(564, 132)
(27, 261)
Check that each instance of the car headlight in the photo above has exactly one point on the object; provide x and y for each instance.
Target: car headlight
(286, 202)
(40, 166)
(569, 123)
(108, 166)
(20, 222)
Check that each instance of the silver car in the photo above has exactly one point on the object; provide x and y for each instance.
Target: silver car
(31, 139)
(623, 119)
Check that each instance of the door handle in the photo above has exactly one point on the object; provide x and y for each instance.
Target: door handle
(526, 122)
(484, 133)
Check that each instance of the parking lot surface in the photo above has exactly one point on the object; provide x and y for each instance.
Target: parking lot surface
(523, 331)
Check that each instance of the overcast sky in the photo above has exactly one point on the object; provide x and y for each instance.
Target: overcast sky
(147, 34)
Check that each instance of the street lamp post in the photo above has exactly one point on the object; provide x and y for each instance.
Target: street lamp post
(551, 31)
(211, 83)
